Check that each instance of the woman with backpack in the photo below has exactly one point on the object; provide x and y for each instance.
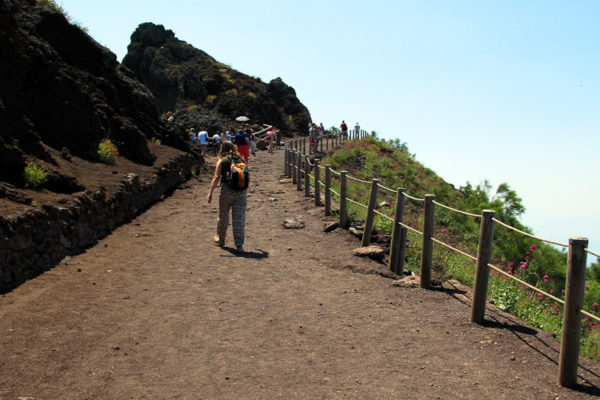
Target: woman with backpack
(232, 174)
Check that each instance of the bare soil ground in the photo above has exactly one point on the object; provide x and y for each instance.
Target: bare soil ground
(156, 311)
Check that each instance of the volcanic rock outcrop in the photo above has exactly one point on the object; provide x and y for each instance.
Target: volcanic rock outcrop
(204, 92)
(62, 90)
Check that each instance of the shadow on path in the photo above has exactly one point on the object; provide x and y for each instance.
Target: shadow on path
(257, 253)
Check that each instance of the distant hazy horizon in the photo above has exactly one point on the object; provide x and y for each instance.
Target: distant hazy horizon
(504, 91)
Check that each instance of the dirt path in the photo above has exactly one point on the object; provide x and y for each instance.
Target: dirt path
(156, 311)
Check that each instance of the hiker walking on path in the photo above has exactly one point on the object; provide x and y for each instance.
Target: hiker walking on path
(241, 141)
(229, 198)
(278, 137)
(216, 142)
(270, 138)
(203, 140)
(193, 137)
(344, 129)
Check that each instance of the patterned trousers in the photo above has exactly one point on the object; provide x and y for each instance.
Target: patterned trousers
(234, 200)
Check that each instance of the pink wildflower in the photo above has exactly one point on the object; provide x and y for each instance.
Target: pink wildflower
(541, 295)
(510, 264)
(546, 278)
(523, 265)
(587, 287)
(563, 291)
(532, 247)
(595, 305)
(586, 318)
(551, 291)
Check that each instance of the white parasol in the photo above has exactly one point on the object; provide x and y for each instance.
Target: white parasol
(242, 118)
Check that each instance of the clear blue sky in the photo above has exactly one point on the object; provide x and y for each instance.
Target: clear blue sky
(507, 91)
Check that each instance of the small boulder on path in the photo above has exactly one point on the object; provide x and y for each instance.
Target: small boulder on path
(293, 223)
(374, 252)
(411, 281)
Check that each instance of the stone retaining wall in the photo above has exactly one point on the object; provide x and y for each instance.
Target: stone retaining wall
(38, 239)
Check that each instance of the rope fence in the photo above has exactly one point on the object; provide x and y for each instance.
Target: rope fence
(410, 228)
(454, 248)
(356, 203)
(414, 198)
(456, 210)
(386, 188)
(529, 234)
(358, 180)
(592, 253)
(295, 158)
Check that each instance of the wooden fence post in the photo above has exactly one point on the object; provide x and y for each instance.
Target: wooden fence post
(317, 183)
(482, 273)
(427, 250)
(571, 329)
(328, 189)
(394, 265)
(285, 162)
(307, 176)
(304, 146)
(293, 166)
(366, 239)
(299, 167)
(344, 222)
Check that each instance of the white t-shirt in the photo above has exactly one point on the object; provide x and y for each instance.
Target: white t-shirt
(216, 138)
(203, 137)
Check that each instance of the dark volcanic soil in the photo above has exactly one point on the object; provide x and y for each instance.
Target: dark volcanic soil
(156, 311)
(90, 175)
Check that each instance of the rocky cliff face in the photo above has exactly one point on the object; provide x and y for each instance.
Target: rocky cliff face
(62, 90)
(204, 92)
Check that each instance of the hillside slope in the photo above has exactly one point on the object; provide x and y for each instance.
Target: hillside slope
(62, 90)
(203, 92)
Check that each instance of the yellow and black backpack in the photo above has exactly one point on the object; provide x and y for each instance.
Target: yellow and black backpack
(235, 173)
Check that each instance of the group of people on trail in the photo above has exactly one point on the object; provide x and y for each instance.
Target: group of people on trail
(231, 173)
(243, 138)
(315, 133)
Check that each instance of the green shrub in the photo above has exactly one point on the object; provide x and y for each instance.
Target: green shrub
(35, 175)
(107, 152)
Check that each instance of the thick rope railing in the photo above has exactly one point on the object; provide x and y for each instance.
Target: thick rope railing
(383, 215)
(356, 202)
(387, 188)
(454, 248)
(413, 198)
(455, 210)
(592, 252)
(529, 234)
(333, 171)
(410, 228)
(590, 315)
(522, 282)
(358, 180)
